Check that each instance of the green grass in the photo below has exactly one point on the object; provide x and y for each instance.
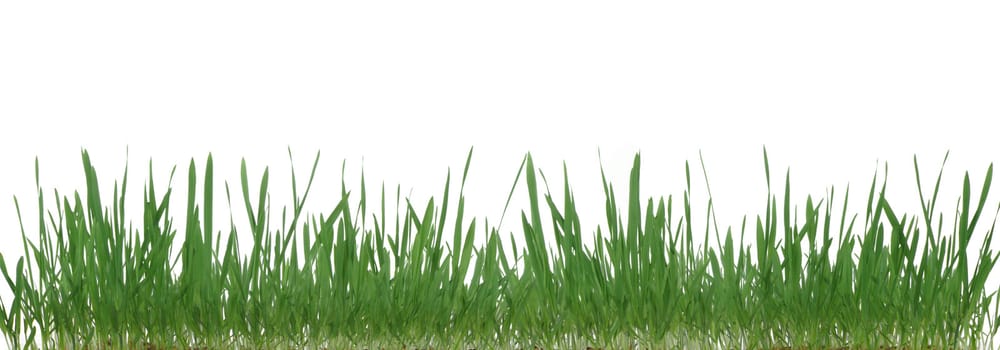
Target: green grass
(349, 277)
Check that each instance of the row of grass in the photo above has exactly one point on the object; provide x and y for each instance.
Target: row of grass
(817, 276)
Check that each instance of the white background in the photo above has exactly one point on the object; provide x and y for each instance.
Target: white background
(405, 88)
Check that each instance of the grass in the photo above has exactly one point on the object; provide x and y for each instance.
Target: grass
(818, 278)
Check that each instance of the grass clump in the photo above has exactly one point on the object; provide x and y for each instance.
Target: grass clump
(816, 278)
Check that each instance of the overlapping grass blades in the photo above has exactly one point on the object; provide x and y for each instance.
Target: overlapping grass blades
(344, 279)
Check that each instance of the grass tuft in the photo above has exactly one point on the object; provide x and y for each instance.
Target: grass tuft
(815, 277)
